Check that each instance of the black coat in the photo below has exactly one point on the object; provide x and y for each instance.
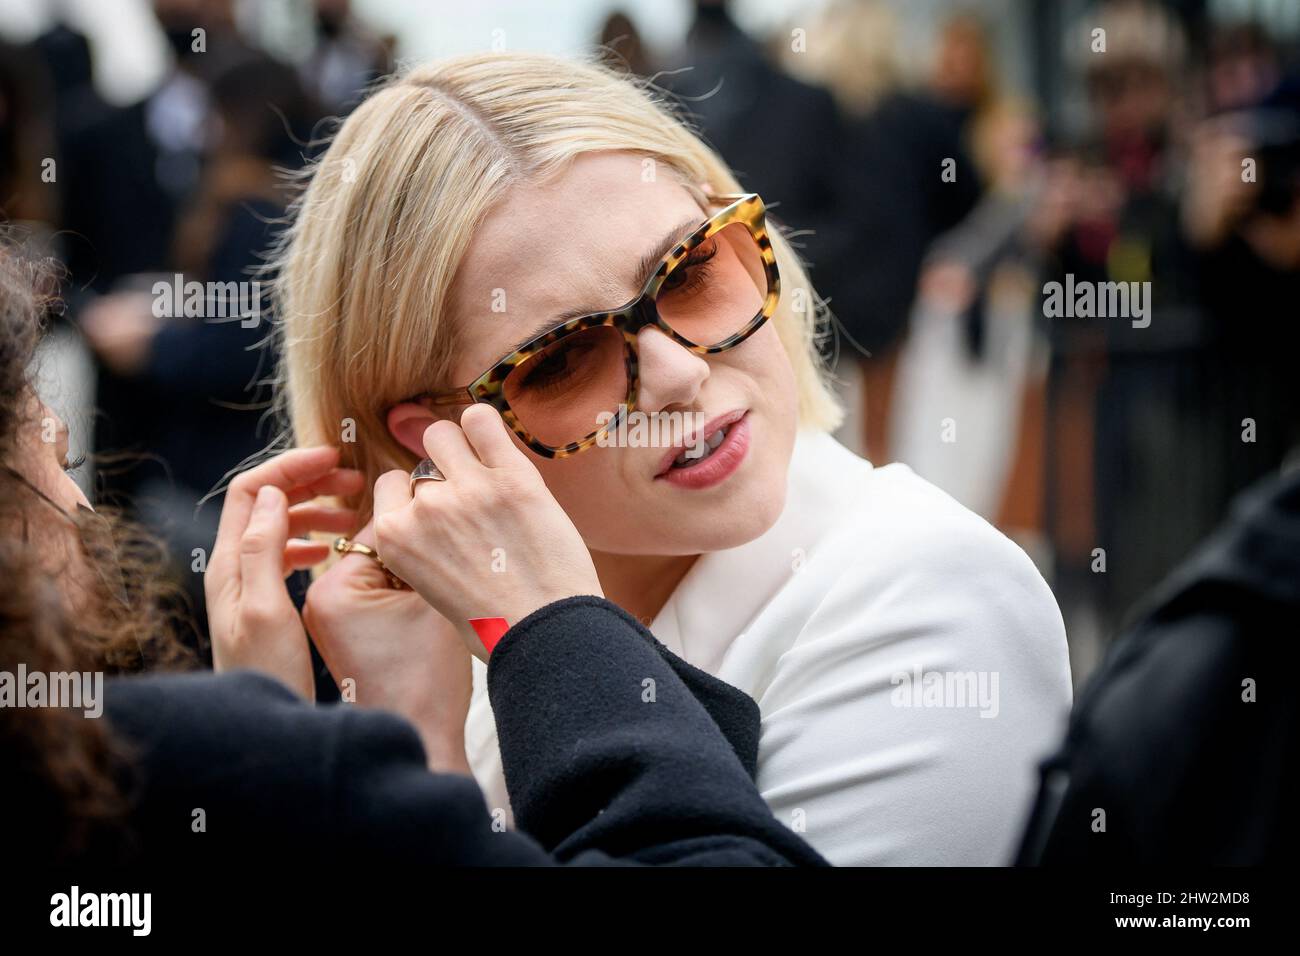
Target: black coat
(1165, 741)
(596, 772)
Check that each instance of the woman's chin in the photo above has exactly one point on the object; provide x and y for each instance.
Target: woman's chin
(744, 520)
(684, 528)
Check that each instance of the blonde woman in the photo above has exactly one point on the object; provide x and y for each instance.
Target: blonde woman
(541, 236)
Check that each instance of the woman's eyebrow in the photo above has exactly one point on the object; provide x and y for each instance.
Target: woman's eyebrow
(650, 261)
(645, 267)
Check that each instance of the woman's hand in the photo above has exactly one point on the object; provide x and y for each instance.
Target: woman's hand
(400, 653)
(490, 541)
(252, 620)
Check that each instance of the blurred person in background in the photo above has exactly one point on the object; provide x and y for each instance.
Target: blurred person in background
(345, 59)
(129, 174)
(891, 197)
(778, 133)
(969, 348)
(77, 107)
(68, 60)
(1243, 65)
(974, 354)
(204, 376)
(620, 44)
(131, 169)
(1134, 456)
(28, 138)
(183, 182)
(1241, 217)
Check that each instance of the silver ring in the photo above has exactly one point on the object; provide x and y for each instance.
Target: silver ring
(426, 471)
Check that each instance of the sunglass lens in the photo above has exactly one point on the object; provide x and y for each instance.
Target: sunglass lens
(718, 290)
(560, 393)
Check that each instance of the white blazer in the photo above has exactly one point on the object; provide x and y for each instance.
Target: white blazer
(908, 660)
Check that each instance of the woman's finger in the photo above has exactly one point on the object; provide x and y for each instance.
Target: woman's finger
(392, 492)
(289, 470)
(488, 436)
(340, 482)
(355, 563)
(299, 555)
(309, 517)
(366, 535)
(450, 450)
(261, 553)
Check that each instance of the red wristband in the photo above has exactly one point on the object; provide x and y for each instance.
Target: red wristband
(490, 630)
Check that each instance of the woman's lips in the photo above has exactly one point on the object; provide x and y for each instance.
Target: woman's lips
(712, 427)
(721, 464)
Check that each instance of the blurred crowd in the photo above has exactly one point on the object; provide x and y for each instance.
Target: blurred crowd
(932, 201)
(193, 181)
(936, 205)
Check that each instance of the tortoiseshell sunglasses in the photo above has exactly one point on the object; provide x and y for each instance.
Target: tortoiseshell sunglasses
(561, 391)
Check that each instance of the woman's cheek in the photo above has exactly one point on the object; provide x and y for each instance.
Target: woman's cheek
(584, 486)
(61, 556)
(779, 363)
(769, 367)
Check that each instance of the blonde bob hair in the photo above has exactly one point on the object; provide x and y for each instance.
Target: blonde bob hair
(364, 275)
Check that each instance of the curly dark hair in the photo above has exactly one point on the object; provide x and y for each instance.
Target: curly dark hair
(66, 785)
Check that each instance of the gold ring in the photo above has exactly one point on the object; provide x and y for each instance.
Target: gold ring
(344, 546)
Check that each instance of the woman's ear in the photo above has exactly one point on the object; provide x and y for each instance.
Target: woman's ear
(407, 423)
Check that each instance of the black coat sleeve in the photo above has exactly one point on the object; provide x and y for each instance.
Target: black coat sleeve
(602, 777)
(606, 750)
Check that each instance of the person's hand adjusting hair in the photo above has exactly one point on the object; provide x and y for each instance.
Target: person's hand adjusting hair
(491, 540)
(253, 621)
(398, 653)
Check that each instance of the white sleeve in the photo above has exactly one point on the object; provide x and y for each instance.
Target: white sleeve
(905, 723)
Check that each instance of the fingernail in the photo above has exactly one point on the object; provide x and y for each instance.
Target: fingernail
(265, 499)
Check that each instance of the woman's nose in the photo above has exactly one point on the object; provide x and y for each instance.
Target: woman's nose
(670, 374)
